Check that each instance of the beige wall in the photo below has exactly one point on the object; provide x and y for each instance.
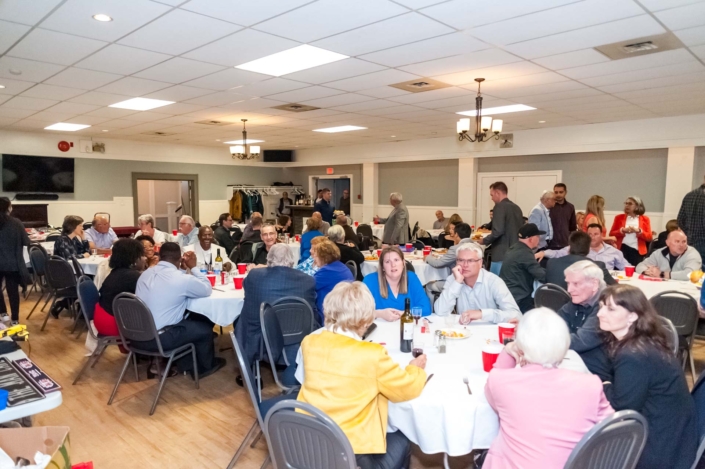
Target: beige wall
(431, 183)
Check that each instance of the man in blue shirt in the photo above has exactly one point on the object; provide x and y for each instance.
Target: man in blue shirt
(188, 233)
(166, 289)
(323, 206)
(100, 235)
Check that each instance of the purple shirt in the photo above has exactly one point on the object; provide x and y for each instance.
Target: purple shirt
(611, 256)
(563, 222)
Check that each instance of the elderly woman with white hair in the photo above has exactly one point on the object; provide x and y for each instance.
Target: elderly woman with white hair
(632, 229)
(352, 380)
(396, 225)
(188, 234)
(147, 227)
(540, 425)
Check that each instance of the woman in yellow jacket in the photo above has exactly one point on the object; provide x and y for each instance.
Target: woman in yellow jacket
(352, 380)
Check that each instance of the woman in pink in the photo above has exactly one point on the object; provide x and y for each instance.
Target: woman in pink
(543, 410)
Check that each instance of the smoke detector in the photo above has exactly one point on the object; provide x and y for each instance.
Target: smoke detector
(420, 85)
(294, 107)
(640, 46)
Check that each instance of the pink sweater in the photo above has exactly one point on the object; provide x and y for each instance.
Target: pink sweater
(543, 413)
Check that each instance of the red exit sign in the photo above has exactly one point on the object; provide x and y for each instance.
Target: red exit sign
(329, 171)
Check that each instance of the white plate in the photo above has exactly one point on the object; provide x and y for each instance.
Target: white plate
(466, 333)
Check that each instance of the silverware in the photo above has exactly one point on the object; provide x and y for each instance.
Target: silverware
(218, 289)
(467, 383)
(429, 378)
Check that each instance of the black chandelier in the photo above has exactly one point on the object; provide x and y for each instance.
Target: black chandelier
(485, 127)
(241, 151)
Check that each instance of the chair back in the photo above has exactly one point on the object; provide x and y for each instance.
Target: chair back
(698, 393)
(414, 230)
(38, 259)
(672, 334)
(88, 296)
(420, 245)
(614, 443)
(365, 230)
(59, 273)
(52, 237)
(365, 242)
(310, 440)
(134, 320)
(551, 296)
(77, 267)
(443, 242)
(248, 379)
(296, 319)
(680, 308)
(409, 267)
(352, 266)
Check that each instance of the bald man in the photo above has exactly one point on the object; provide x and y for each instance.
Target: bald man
(206, 252)
(100, 235)
(676, 261)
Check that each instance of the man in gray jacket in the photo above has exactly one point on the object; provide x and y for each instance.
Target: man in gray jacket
(540, 216)
(506, 222)
(676, 261)
(396, 225)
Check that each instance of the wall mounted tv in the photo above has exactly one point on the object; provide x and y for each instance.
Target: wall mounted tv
(22, 173)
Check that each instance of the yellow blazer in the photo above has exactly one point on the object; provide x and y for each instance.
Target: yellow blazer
(351, 381)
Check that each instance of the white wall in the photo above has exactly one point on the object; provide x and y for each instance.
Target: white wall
(120, 210)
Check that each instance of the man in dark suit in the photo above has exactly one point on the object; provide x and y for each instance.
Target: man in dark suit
(506, 221)
(269, 284)
(324, 207)
(579, 243)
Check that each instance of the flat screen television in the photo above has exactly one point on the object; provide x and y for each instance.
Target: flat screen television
(21, 173)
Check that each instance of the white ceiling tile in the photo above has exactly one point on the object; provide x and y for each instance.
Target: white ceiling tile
(83, 79)
(121, 60)
(6, 121)
(31, 70)
(337, 100)
(328, 17)
(76, 17)
(15, 113)
(11, 33)
(118, 124)
(656, 5)
(572, 59)
(393, 32)
(145, 116)
(345, 68)
(305, 94)
(389, 110)
(459, 63)
(521, 85)
(73, 108)
(699, 51)
(366, 105)
(384, 92)
(244, 13)
(22, 11)
(177, 120)
(131, 86)
(621, 30)
(52, 92)
(111, 112)
(443, 93)
(226, 79)
(14, 86)
(178, 93)
(179, 108)
(242, 47)
(491, 73)
(267, 87)
(465, 14)
(35, 104)
(655, 72)
(53, 116)
(372, 80)
(417, 4)
(665, 93)
(539, 100)
(217, 99)
(177, 32)
(646, 86)
(692, 36)
(53, 47)
(179, 70)
(429, 49)
(683, 17)
(630, 64)
(252, 104)
(99, 99)
(556, 20)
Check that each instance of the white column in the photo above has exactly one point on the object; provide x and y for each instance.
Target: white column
(467, 173)
(370, 187)
(679, 179)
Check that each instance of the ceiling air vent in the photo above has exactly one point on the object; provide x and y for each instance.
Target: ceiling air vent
(211, 122)
(640, 46)
(294, 107)
(158, 134)
(420, 85)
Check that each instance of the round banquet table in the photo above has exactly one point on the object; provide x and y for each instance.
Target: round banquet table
(377, 230)
(424, 272)
(223, 306)
(445, 418)
(654, 287)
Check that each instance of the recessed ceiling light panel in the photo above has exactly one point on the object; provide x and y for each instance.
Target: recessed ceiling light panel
(242, 142)
(102, 17)
(498, 110)
(292, 60)
(342, 128)
(141, 104)
(2, 87)
(66, 127)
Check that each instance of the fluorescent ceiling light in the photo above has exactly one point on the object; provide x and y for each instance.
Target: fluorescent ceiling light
(242, 142)
(292, 60)
(498, 110)
(102, 17)
(2, 87)
(66, 127)
(342, 128)
(141, 104)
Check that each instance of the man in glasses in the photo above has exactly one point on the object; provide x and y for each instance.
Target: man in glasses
(476, 293)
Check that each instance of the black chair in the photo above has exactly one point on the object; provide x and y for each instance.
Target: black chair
(38, 259)
(306, 439)
(414, 230)
(443, 242)
(62, 282)
(672, 335)
(52, 237)
(551, 296)
(353, 267)
(682, 310)
(419, 245)
(365, 230)
(614, 443)
(77, 267)
(136, 323)
(698, 394)
(88, 297)
(366, 242)
(409, 267)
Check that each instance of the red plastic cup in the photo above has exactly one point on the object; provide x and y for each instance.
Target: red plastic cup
(376, 222)
(238, 281)
(490, 352)
(629, 270)
(506, 331)
(241, 268)
(356, 224)
(106, 255)
(297, 238)
(211, 279)
(222, 278)
(379, 253)
(409, 246)
(174, 232)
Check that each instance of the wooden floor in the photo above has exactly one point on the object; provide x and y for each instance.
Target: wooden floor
(190, 429)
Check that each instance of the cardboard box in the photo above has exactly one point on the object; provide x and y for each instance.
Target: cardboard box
(24, 442)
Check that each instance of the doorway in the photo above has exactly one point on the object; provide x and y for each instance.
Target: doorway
(166, 196)
(336, 184)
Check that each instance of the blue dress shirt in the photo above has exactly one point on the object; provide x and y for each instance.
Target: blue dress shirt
(414, 291)
(101, 240)
(306, 244)
(189, 239)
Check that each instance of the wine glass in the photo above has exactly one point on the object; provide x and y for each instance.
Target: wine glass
(416, 313)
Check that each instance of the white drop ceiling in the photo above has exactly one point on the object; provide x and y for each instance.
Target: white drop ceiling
(538, 52)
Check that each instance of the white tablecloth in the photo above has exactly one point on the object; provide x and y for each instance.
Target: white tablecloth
(223, 306)
(377, 230)
(434, 233)
(423, 271)
(651, 288)
(51, 401)
(445, 418)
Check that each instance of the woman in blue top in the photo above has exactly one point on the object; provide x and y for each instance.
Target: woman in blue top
(391, 285)
(326, 256)
(313, 225)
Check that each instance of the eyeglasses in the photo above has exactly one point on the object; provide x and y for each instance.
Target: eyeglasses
(468, 261)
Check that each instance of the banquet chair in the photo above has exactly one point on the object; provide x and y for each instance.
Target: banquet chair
(136, 323)
(62, 282)
(310, 440)
(261, 407)
(698, 394)
(551, 296)
(88, 297)
(614, 443)
(52, 237)
(36, 281)
(353, 267)
(419, 245)
(672, 334)
(414, 230)
(682, 310)
(365, 242)
(410, 267)
(77, 267)
(38, 259)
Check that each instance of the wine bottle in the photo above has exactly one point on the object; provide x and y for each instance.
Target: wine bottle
(406, 323)
(218, 267)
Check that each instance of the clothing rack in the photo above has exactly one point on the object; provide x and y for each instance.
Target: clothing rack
(265, 190)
